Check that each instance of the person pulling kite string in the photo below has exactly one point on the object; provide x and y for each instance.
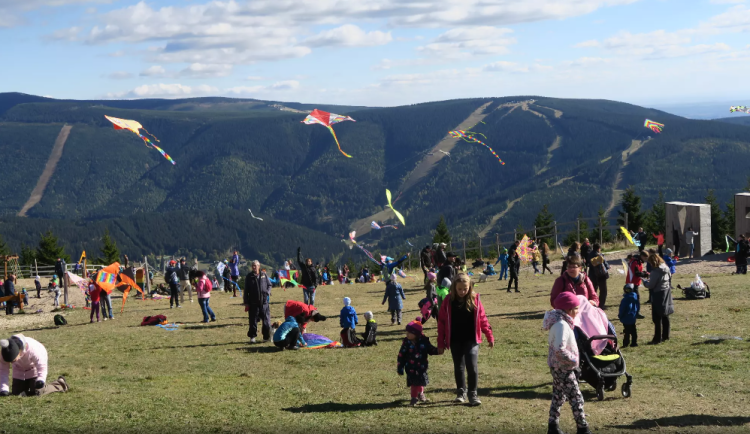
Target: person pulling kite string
(125, 124)
(327, 120)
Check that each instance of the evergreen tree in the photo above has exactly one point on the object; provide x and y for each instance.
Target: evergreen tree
(657, 216)
(718, 222)
(606, 234)
(631, 205)
(4, 250)
(544, 220)
(441, 232)
(27, 255)
(109, 249)
(584, 232)
(48, 250)
(729, 218)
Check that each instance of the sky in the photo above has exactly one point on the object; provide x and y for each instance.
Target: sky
(378, 52)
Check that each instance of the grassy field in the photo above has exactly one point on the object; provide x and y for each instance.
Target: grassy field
(209, 379)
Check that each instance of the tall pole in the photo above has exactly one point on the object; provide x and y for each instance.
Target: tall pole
(578, 230)
(65, 284)
(556, 243)
(497, 242)
(480, 248)
(601, 238)
(36, 267)
(464, 241)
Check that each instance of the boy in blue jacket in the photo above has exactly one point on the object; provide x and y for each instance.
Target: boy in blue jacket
(503, 260)
(627, 315)
(348, 320)
(288, 336)
(670, 260)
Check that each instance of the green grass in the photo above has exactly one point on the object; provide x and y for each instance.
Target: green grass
(208, 379)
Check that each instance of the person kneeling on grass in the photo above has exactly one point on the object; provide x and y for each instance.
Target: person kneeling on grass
(349, 320)
(412, 361)
(29, 360)
(563, 362)
(371, 331)
(288, 336)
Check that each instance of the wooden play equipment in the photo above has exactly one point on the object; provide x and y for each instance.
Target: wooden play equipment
(13, 260)
(18, 298)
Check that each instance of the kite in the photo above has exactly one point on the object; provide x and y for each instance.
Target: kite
(128, 278)
(315, 342)
(407, 242)
(369, 255)
(654, 126)
(106, 278)
(327, 119)
(524, 250)
(739, 108)
(286, 276)
(253, 215)
(627, 235)
(468, 136)
(378, 227)
(124, 124)
(353, 234)
(390, 205)
(375, 225)
(727, 238)
(80, 282)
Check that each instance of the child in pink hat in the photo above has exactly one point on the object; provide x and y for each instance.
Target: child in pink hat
(412, 361)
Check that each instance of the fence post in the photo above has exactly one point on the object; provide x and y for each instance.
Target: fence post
(36, 267)
(481, 253)
(145, 275)
(534, 232)
(626, 222)
(556, 243)
(65, 286)
(578, 230)
(497, 241)
(515, 235)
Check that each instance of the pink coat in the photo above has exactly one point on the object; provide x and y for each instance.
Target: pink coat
(482, 324)
(565, 283)
(31, 364)
(204, 287)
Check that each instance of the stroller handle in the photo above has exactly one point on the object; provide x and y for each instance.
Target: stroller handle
(602, 337)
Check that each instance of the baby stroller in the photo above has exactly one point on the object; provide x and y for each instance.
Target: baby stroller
(601, 361)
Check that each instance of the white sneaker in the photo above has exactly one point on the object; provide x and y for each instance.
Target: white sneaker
(105, 318)
(252, 340)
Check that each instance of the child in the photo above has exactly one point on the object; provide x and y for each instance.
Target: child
(563, 362)
(38, 285)
(412, 360)
(634, 275)
(628, 311)
(288, 336)
(203, 289)
(28, 358)
(94, 292)
(514, 264)
(348, 320)
(490, 270)
(428, 307)
(394, 293)
(442, 291)
(371, 331)
(670, 261)
(536, 257)
(503, 260)
(460, 326)
(431, 286)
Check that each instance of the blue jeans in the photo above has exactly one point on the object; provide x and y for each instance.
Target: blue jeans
(503, 271)
(309, 294)
(206, 309)
(692, 249)
(106, 305)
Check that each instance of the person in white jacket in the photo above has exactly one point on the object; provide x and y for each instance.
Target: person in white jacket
(29, 360)
(563, 361)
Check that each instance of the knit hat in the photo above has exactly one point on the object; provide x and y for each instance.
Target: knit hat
(628, 288)
(347, 301)
(669, 251)
(566, 301)
(431, 276)
(415, 327)
(446, 283)
(368, 315)
(10, 348)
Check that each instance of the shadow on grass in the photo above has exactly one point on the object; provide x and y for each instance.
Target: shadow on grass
(513, 392)
(520, 315)
(335, 407)
(39, 329)
(685, 421)
(257, 349)
(210, 326)
(174, 347)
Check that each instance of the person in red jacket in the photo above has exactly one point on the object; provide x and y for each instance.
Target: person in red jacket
(302, 313)
(635, 273)
(574, 280)
(461, 322)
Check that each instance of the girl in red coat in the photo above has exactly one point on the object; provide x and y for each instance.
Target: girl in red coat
(461, 322)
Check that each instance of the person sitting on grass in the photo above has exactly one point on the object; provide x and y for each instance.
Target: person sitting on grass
(28, 358)
(348, 320)
(371, 331)
(412, 361)
(288, 336)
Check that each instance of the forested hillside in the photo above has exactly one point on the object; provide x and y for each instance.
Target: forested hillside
(237, 154)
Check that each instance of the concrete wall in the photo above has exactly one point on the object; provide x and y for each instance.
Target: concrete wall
(741, 214)
(679, 217)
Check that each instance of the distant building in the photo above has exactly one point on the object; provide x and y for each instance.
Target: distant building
(679, 217)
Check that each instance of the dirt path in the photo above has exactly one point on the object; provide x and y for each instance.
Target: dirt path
(49, 170)
(635, 145)
(497, 217)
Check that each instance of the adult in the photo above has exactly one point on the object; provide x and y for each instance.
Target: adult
(642, 238)
(585, 251)
(659, 285)
(105, 304)
(599, 273)
(514, 246)
(256, 299)
(576, 281)
(302, 313)
(307, 278)
(659, 241)
(9, 289)
(441, 257)
(226, 277)
(425, 261)
(234, 271)
(170, 276)
(183, 273)
(545, 258)
(60, 268)
(741, 252)
(573, 251)
(28, 358)
(447, 270)
(676, 240)
(690, 241)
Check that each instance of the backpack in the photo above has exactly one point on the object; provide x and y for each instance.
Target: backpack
(60, 320)
(597, 267)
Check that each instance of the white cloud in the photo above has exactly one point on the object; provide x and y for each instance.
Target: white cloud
(349, 35)
(200, 70)
(276, 87)
(162, 90)
(386, 64)
(658, 44)
(469, 42)
(725, 2)
(503, 66)
(69, 34)
(119, 75)
(12, 11)
(254, 78)
(154, 71)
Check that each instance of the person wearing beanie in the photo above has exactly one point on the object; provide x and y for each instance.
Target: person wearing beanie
(288, 335)
(38, 286)
(170, 276)
(563, 361)
(28, 358)
(412, 360)
(394, 294)
(502, 259)
(371, 331)
(348, 320)
(627, 315)
(442, 291)
(670, 260)
(430, 287)
(461, 323)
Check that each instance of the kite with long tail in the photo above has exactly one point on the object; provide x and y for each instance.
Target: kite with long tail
(739, 108)
(374, 225)
(654, 126)
(390, 205)
(327, 119)
(469, 136)
(125, 124)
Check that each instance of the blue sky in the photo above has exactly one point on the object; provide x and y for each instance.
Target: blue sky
(378, 52)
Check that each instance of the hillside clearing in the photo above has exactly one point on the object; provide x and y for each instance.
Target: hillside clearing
(49, 170)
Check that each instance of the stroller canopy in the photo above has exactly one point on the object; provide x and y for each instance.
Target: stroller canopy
(592, 321)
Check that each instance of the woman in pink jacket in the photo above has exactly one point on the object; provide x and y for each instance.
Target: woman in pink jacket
(461, 322)
(203, 288)
(576, 281)
(29, 360)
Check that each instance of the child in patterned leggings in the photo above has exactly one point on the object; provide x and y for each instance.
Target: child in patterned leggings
(563, 361)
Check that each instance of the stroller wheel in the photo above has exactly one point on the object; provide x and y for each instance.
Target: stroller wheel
(600, 393)
(626, 390)
(611, 387)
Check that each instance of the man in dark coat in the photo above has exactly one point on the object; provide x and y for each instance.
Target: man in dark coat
(9, 289)
(740, 256)
(60, 268)
(440, 256)
(586, 251)
(642, 237)
(256, 298)
(308, 277)
(425, 260)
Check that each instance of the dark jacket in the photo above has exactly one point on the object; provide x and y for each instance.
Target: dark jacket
(741, 252)
(183, 271)
(425, 259)
(308, 276)
(371, 333)
(585, 252)
(412, 360)
(600, 271)
(170, 275)
(9, 288)
(660, 287)
(257, 289)
(394, 293)
(441, 257)
(446, 271)
(642, 237)
(514, 264)
(60, 267)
